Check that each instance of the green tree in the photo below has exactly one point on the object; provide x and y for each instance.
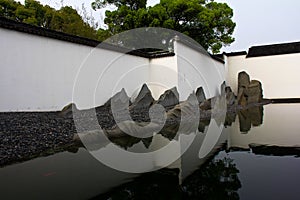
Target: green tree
(131, 4)
(66, 19)
(208, 22)
(26, 15)
(8, 8)
(37, 11)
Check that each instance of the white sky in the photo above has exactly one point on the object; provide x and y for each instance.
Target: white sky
(258, 21)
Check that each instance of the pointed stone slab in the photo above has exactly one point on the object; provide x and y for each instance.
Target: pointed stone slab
(230, 97)
(249, 91)
(200, 95)
(243, 80)
(121, 101)
(67, 111)
(241, 98)
(169, 98)
(223, 88)
(144, 99)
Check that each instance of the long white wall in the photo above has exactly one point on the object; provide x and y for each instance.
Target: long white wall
(279, 74)
(39, 73)
(44, 74)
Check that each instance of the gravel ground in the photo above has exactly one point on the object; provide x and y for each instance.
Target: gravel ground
(25, 135)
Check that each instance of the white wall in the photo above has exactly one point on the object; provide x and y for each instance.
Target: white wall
(196, 69)
(187, 70)
(39, 73)
(234, 65)
(44, 74)
(163, 75)
(279, 74)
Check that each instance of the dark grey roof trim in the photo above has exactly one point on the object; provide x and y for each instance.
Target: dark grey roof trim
(274, 49)
(238, 53)
(35, 30)
(217, 58)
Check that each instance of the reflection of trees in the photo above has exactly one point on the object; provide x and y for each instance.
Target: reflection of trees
(162, 184)
(215, 180)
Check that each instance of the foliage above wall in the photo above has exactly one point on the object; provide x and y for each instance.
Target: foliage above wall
(66, 19)
(208, 22)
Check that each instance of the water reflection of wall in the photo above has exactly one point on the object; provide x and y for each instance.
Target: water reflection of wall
(61, 176)
(281, 125)
(69, 176)
(190, 160)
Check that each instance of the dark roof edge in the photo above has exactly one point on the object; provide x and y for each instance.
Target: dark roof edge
(238, 53)
(217, 58)
(274, 49)
(200, 49)
(39, 31)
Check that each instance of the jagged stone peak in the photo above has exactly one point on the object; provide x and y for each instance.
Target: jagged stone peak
(249, 91)
(200, 95)
(174, 91)
(243, 79)
(120, 96)
(144, 90)
(169, 98)
(144, 98)
(192, 97)
(67, 111)
(223, 88)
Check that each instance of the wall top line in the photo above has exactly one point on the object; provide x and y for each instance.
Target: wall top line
(274, 49)
(39, 31)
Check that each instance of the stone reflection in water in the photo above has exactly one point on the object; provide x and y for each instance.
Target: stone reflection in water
(250, 117)
(217, 179)
(274, 150)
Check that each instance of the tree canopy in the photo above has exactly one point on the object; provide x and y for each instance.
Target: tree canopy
(66, 19)
(207, 22)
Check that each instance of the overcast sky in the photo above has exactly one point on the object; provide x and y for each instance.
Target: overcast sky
(258, 21)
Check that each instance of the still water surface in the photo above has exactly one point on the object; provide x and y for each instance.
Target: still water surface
(231, 170)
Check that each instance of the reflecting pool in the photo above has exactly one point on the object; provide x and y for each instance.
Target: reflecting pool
(256, 156)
